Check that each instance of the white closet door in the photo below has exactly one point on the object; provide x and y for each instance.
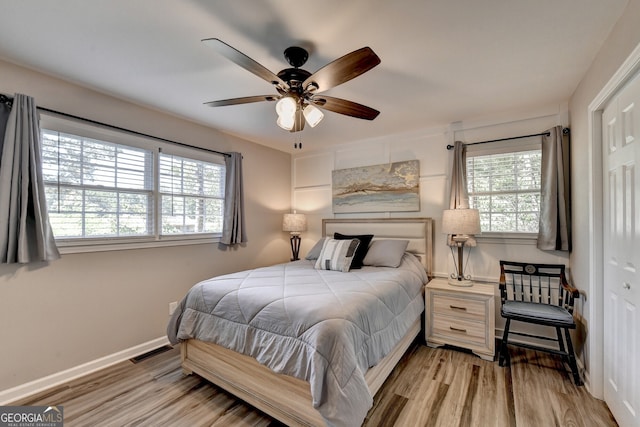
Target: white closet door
(621, 137)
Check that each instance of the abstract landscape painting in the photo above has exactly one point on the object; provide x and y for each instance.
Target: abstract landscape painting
(391, 187)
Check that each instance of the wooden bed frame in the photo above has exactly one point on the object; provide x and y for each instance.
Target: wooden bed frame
(286, 398)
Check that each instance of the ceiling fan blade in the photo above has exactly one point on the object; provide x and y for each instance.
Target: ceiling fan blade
(244, 100)
(245, 62)
(343, 69)
(342, 106)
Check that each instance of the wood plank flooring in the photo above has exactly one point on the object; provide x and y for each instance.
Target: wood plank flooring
(429, 387)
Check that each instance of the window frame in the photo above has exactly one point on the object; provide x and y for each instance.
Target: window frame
(156, 239)
(506, 147)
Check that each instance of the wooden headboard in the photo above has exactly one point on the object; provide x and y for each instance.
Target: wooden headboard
(418, 231)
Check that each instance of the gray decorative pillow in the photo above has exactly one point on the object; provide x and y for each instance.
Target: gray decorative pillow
(385, 253)
(314, 252)
(337, 255)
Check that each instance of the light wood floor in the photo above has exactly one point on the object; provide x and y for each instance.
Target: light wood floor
(429, 387)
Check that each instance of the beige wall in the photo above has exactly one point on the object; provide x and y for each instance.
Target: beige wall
(586, 177)
(87, 306)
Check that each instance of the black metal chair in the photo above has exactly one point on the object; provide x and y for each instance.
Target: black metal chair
(539, 294)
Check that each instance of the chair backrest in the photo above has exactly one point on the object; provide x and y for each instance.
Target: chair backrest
(536, 283)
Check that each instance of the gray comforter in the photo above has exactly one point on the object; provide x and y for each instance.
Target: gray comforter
(325, 327)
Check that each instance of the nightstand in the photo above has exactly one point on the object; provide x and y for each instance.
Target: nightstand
(461, 316)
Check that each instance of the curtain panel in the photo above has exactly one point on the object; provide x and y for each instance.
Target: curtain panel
(459, 195)
(25, 232)
(233, 227)
(5, 110)
(555, 198)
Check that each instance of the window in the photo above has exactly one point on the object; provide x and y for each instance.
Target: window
(505, 188)
(105, 187)
(192, 195)
(96, 188)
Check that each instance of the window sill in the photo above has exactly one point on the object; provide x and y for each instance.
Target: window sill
(508, 238)
(75, 247)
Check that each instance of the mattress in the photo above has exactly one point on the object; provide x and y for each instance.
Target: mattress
(325, 327)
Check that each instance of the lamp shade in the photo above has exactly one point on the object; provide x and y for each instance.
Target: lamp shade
(286, 106)
(313, 115)
(286, 122)
(461, 221)
(294, 222)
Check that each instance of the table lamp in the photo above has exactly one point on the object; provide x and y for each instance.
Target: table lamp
(460, 224)
(294, 223)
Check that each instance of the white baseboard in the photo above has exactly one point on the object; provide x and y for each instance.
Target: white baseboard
(586, 379)
(41, 384)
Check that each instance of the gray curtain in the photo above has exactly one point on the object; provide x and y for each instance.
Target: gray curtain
(555, 199)
(459, 195)
(25, 232)
(233, 227)
(5, 109)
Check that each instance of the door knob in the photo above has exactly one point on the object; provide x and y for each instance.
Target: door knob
(626, 285)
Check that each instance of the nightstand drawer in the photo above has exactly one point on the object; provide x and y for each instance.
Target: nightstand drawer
(463, 331)
(462, 308)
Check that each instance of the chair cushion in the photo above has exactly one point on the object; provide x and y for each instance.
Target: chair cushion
(538, 313)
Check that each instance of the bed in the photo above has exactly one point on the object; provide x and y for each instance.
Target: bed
(326, 361)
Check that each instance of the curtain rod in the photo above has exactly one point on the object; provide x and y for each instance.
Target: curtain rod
(565, 131)
(4, 99)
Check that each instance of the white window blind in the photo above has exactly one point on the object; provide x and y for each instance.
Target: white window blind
(505, 188)
(97, 189)
(107, 189)
(191, 195)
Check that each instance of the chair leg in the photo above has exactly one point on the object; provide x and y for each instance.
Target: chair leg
(572, 359)
(565, 355)
(504, 351)
(560, 340)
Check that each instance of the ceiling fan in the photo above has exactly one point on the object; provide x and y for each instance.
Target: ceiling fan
(299, 96)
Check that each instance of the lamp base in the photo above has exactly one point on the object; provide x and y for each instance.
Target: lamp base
(295, 247)
(464, 282)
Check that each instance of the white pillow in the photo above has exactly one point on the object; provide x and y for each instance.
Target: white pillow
(385, 253)
(337, 255)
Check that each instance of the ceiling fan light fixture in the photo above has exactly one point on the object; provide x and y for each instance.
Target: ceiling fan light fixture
(313, 115)
(286, 106)
(285, 121)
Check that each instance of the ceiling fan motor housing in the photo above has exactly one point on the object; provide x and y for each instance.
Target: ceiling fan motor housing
(294, 78)
(296, 56)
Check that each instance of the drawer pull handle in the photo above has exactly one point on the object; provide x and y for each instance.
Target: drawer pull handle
(458, 329)
(455, 307)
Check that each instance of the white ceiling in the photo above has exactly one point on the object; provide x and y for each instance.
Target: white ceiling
(443, 61)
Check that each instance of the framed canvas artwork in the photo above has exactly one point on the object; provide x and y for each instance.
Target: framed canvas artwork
(390, 187)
